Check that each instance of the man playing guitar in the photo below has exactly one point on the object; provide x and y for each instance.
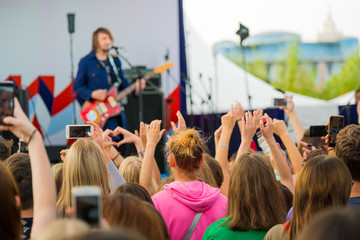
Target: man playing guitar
(98, 71)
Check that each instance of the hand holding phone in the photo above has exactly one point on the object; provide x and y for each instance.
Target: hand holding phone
(78, 131)
(23, 146)
(87, 204)
(336, 123)
(280, 102)
(6, 100)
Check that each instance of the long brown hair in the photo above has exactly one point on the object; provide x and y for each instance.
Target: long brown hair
(255, 200)
(324, 182)
(130, 212)
(10, 224)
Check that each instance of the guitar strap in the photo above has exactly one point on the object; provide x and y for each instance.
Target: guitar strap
(105, 65)
(111, 60)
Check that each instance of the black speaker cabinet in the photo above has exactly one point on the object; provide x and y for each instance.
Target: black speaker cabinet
(153, 108)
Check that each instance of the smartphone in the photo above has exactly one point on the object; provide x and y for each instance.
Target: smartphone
(318, 131)
(87, 204)
(280, 102)
(23, 146)
(78, 131)
(6, 100)
(336, 123)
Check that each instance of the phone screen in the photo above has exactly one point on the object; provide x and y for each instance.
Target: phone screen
(23, 147)
(79, 131)
(318, 131)
(336, 123)
(87, 209)
(6, 100)
(280, 102)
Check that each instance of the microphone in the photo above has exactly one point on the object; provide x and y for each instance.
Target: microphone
(114, 47)
(71, 22)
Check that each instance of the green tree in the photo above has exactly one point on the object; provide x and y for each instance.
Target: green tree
(294, 76)
(346, 80)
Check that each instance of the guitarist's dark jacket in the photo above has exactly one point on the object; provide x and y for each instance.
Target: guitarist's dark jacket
(92, 76)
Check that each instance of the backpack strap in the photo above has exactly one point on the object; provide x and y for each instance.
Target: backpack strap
(193, 226)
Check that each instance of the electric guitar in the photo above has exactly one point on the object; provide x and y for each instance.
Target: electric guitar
(100, 111)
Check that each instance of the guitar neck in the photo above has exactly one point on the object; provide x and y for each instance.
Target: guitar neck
(121, 95)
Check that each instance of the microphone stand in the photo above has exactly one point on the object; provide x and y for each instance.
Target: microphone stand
(72, 77)
(140, 90)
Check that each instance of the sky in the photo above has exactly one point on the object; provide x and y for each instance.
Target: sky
(218, 20)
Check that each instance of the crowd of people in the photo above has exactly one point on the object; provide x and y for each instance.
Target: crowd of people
(309, 194)
(305, 191)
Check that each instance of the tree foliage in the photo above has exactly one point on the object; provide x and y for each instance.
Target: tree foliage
(300, 77)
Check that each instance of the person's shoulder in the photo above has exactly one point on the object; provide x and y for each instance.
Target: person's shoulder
(88, 56)
(215, 229)
(276, 232)
(159, 196)
(354, 201)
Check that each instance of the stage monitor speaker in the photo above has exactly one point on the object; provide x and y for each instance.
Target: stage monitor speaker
(153, 108)
(153, 84)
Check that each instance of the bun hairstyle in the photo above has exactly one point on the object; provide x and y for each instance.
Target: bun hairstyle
(187, 149)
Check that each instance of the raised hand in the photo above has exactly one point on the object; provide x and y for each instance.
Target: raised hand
(141, 133)
(20, 125)
(107, 140)
(153, 133)
(63, 154)
(258, 114)
(181, 123)
(237, 111)
(280, 127)
(267, 127)
(97, 135)
(290, 106)
(128, 136)
(248, 127)
(217, 135)
(228, 121)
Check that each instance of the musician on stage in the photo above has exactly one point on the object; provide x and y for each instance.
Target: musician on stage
(98, 71)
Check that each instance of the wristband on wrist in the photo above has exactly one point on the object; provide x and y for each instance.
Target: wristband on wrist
(31, 136)
(141, 154)
(116, 156)
(223, 145)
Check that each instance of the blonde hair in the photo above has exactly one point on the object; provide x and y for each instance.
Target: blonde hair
(130, 168)
(187, 149)
(56, 168)
(63, 229)
(84, 165)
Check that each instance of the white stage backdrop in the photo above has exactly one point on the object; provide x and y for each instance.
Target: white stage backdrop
(35, 42)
